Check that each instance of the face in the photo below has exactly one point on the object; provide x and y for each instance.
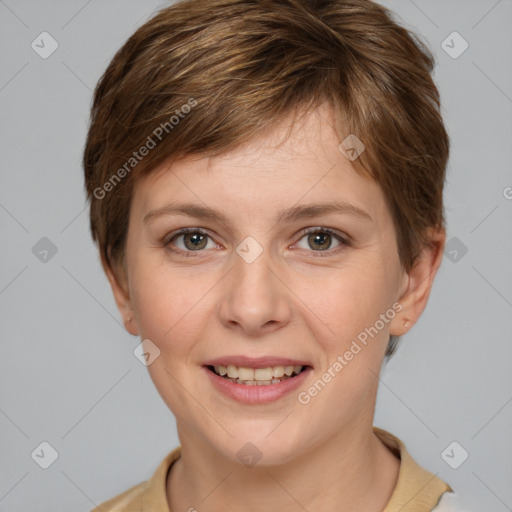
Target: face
(260, 280)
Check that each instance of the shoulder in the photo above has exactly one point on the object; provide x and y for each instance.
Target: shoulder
(131, 500)
(451, 502)
(147, 496)
(416, 487)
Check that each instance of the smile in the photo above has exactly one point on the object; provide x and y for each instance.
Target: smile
(256, 380)
(256, 376)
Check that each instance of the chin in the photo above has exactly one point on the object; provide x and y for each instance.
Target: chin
(266, 443)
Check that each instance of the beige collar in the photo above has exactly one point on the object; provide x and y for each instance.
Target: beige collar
(417, 490)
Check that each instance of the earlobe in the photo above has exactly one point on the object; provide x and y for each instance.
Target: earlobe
(119, 285)
(130, 325)
(420, 280)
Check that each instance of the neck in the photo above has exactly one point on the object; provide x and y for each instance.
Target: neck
(351, 471)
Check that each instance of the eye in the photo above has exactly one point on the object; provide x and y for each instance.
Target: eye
(188, 241)
(320, 239)
(193, 240)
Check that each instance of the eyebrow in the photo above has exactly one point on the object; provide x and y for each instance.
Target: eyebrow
(294, 213)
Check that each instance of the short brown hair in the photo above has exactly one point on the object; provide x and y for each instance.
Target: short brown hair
(240, 66)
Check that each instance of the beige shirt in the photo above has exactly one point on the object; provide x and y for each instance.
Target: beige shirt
(417, 490)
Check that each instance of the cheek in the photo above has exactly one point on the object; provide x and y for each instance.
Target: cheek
(170, 306)
(171, 309)
(348, 300)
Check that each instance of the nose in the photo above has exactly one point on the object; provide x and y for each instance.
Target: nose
(255, 300)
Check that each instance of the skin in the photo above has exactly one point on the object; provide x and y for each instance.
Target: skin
(289, 302)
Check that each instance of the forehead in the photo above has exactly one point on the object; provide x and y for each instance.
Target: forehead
(291, 163)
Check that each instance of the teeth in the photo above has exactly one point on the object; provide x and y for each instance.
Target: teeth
(247, 374)
(278, 371)
(232, 371)
(262, 374)
(257, 376)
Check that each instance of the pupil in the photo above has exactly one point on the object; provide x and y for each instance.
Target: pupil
(196, 239)
(320, 239)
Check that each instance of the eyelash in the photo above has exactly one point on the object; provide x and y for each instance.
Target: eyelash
(190, 254)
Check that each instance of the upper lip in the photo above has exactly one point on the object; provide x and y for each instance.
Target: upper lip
(255, 362)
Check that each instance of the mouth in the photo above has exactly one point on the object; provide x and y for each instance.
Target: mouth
(263, 376)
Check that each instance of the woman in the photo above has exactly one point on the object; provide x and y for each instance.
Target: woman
(265, 183)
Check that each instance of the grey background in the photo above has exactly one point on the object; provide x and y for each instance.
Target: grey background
(68, 375)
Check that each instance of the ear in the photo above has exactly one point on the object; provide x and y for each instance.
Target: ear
(418, 282)
(117, 278)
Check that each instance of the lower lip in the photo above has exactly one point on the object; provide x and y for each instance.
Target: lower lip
(256, 394)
